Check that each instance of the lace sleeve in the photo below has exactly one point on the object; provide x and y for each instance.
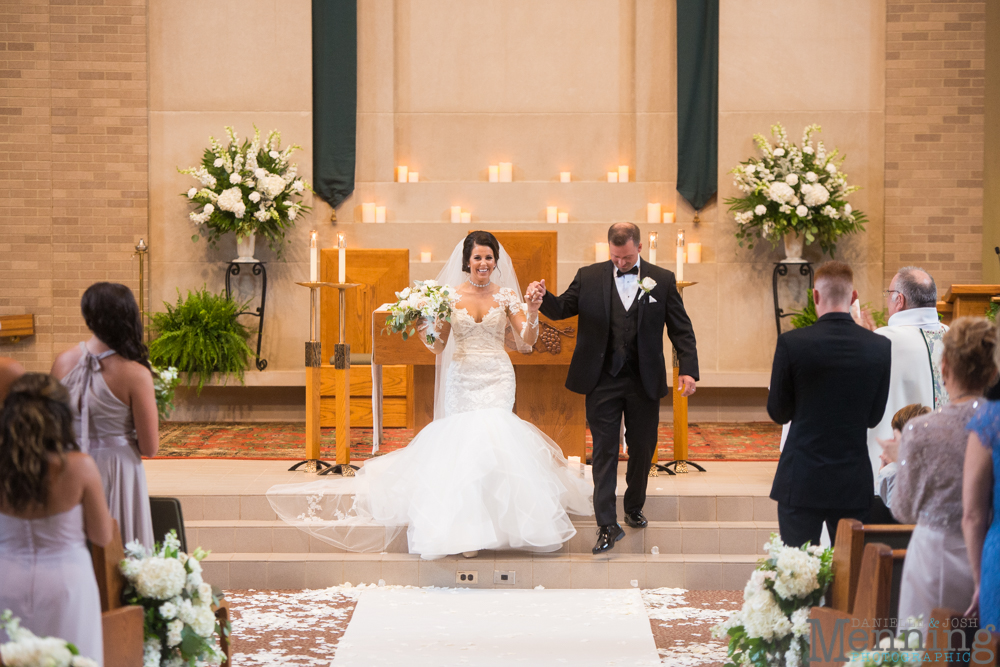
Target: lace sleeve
(508, 300)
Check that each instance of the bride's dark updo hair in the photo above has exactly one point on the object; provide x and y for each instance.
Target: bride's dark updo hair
(479, 238)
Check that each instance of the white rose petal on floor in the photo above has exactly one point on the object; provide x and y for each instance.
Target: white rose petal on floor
(486, 628)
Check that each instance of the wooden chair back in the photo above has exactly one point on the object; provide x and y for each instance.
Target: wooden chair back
(874, 589)
(852, 536)
(110, 581)
(534, 254)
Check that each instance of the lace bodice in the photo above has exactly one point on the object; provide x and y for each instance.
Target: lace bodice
(481, 375)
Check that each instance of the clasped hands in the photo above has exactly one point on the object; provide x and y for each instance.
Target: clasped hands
(533, 295)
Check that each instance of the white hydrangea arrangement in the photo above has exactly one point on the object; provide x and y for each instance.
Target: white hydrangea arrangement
(165, 381)
(26, 650)
(793, 190)
(248, 188)
(905, 649)
(427, 299)
(772, 627)
(180, 625)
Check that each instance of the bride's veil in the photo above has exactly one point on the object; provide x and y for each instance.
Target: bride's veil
(453, 275)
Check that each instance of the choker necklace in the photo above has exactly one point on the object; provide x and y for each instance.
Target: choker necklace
(488, 283)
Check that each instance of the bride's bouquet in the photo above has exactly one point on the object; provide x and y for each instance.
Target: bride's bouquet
(427, 299)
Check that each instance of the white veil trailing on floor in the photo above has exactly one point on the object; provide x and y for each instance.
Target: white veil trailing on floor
(453, 275)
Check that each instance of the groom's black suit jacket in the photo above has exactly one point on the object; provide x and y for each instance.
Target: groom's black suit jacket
(589, 296)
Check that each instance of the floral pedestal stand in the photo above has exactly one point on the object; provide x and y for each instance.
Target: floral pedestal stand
(781, 269)
(258, 269)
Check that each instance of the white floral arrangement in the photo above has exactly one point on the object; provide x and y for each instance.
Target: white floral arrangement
(248, 188)
(772, 627)
(180, 626)
(793, 190)
(165, 381)
(426, 300)
(26, 650)
(904, 649)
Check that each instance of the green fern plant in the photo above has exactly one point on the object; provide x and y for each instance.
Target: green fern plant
(806, 316)
(200, 335)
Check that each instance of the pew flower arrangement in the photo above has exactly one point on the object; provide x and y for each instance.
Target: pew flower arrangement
(26, 650)
(772, 627)
(180, 624)
(904, 649)
(427, 299)
(247, 188)
(793, 190)
(165, 381)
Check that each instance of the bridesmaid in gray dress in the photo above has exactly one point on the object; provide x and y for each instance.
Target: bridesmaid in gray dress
(111, 388)
(51, 503)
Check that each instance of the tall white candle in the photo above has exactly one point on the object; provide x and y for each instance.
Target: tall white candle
(341, 257)
(551, 214)
(694, 253)
(368, 212)
(652, 247)
(612, 177)
(313, 257)
(380, 214)
(466, 216)
(494, 173)
(602, 252)
(623, 173)
(564, 177)
(401, 174)
(669, 218)
(652, 213)
(563, 216)
(506, 172)
(413, 177)
(456, 214)
(425, 257)
(679, 273)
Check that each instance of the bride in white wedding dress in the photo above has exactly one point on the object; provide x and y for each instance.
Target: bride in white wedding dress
(477, 477)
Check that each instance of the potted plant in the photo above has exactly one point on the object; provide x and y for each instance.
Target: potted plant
(794, 194)
(200, 335)
(248, 189)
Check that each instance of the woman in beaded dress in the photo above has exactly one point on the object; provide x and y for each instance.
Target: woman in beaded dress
(51, 504)
(110, 383)
(928, 488)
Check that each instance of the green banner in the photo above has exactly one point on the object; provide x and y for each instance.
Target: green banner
(335, 97)
(697, 100)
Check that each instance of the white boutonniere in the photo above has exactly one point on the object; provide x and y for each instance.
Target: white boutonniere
(647, 285)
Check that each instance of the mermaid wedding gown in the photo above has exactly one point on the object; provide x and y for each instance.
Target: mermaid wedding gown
(479, 478)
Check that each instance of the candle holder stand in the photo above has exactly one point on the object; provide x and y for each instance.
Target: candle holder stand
(680, 409)
(342, 365)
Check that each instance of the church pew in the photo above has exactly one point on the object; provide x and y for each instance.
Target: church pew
(852, 536)
(874, 593)
(947, 631)
(122, 625)
(825, 639)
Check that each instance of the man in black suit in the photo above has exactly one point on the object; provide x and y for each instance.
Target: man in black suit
(831, 380)
(618, 363)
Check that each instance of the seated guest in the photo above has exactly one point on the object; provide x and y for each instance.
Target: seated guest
(980, 496)
(51, 503)
(887, 474)
(10, 370)
(831, 381)
(111, 388)
(928, 487)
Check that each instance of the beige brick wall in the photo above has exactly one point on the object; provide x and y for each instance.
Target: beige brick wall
(934, 138)
(73, 160)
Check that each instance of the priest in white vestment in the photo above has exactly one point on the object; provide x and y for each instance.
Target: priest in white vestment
(916, 334)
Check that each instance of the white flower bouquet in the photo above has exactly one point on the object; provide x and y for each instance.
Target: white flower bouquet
(26, 650)
(772, 628)
(426, 300)
(247, 188)
(165, 381)
(793, 190)
(180, 624)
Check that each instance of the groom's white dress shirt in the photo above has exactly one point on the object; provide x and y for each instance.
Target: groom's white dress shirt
(628, 286)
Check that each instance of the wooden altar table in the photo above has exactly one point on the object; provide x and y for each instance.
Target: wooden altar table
(962, 300)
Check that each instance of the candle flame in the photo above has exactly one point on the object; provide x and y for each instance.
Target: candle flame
(652, 240)
(341, 240)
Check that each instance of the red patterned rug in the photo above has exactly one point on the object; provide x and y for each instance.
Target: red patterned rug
(754, 441)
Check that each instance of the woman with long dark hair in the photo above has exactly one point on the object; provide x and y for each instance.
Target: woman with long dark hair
(111, 388)
(51, 503)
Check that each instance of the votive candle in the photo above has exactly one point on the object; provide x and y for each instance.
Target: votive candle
(466, 216)
(652, 213)
(506, 172)
(401, 174)
(341, 257)
(413, 177)
(551, 214)
(669, 218)
(679, 273)
(563, 216)
(602, 252)
(313, 257)
(368, 212)
(494, 173)
(456, 214)
(380, 214)
(694, 253)
(425, 257)
(564, 177)
(623, 173)
(612, 177)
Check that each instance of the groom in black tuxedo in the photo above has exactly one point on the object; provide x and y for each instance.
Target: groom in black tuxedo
(618, 363)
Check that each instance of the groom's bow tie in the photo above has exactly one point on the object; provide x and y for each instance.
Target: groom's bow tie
(633, 271)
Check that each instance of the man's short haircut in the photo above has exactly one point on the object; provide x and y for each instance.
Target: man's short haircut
(835, 281)
(620, 233)
(907, 413)
(918, 292)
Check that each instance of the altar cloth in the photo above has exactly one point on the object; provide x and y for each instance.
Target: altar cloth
(439, 627)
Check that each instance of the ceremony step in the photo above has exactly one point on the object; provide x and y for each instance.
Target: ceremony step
(668, 537)
(283, 571)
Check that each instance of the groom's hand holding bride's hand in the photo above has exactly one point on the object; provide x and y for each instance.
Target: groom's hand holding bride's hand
(533, 295)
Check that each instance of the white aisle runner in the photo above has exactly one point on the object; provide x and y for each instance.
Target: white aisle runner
(443, 627)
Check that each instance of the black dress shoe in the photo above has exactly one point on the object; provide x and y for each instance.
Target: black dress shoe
(606, 538)
(636, 519)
